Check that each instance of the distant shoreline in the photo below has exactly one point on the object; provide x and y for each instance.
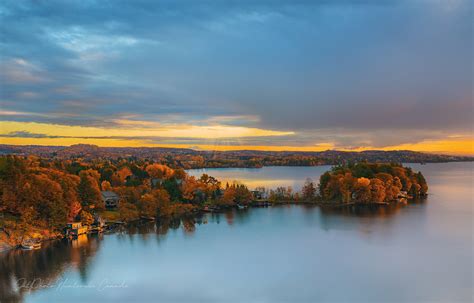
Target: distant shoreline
(199, 159)
(230, 167)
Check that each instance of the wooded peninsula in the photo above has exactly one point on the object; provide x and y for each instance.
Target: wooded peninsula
(40, 196)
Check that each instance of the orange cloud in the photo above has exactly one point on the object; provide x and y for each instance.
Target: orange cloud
(447, 146)
(133, 134)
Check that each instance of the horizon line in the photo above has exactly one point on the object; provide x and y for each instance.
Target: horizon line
(361, 149)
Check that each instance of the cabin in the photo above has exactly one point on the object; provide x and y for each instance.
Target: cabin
(402, 194)
(111, 199)
(156, 182)
(258, 194)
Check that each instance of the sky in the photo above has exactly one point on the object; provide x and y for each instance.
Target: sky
(228, 75)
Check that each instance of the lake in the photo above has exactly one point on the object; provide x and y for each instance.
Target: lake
(421, 252)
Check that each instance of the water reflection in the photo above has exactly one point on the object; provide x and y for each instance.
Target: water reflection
(364, 211)
(177, 260)
(24, 271)
(268, 177)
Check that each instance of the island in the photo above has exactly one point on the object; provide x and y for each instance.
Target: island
(367, 183)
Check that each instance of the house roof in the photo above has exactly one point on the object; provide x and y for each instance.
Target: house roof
(109, 194)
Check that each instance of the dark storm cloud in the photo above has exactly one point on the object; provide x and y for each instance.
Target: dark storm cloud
(25, 134)
(166, 140)
(308, 66)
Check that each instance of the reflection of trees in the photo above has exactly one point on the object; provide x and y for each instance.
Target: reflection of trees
(242, 216)
(189, 226)
(43, 267)
(367, 211)
(229, 216)
(339, 218)
(201, 219)
(48, 264)
(363, 211)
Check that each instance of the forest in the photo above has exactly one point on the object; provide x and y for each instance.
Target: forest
(48, 193)
(371, 182)
(42, 192)
(189, 158)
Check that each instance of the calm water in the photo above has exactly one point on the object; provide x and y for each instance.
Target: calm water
(269, 177)
(418, 253)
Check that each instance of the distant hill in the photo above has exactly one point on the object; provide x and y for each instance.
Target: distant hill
(189, 158)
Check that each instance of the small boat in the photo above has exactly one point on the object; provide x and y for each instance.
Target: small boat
(211, 209)
(147, 218)
(96, 229)
(403, 200)
(98, 226)
(240, 206)
(30, 245)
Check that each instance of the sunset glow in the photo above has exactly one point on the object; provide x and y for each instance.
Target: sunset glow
(227, 78)
(291, 151)
(136, 135)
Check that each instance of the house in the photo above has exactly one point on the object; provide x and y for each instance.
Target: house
(156, 182)
(258, 194)
(110, 199)
(402, 194)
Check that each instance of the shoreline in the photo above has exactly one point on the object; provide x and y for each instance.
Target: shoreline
(323, 164)
(114, 225)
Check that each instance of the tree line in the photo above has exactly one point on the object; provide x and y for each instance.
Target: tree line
(371, 182)
(50, 193)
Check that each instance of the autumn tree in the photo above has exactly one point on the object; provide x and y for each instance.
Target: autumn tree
(377, 190)
(69, 185)
(420, 179)
(228, 196)
(89, 191)
(323, 182)
(148, 205)
(371, 182)
(362, 191)
(163, 202)
(127, 211)
(242, 195)
(309, 191)
(105, 185)
(159, 171)
(46, 196)
(123, 173)
(86, 217)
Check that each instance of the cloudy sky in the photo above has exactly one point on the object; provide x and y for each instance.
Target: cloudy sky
(260, 74)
